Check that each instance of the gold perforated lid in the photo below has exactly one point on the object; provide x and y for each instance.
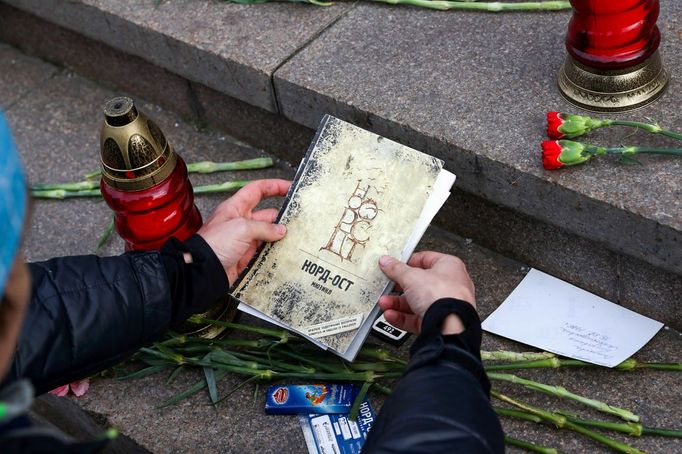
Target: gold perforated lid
(134, 152)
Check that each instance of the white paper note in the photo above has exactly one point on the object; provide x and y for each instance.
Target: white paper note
(558, 317)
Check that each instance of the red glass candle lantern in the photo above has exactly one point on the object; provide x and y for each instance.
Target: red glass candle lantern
(143, 180)
(613, 62)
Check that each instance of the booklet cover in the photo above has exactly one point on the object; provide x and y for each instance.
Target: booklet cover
(356, 196)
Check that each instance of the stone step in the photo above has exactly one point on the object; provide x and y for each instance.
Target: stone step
(470, 88)
(56, 117)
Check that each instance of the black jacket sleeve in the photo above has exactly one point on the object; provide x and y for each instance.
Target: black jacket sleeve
(441, 404)
(88, 313)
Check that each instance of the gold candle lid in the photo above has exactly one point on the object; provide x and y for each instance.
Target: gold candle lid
(135, 154)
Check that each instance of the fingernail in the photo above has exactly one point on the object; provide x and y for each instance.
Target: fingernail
(281, 229)
(385, 260)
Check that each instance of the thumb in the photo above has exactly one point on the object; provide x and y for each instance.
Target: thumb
(395, 270)
(265, 231)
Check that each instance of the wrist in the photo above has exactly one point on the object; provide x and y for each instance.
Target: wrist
(452, 324)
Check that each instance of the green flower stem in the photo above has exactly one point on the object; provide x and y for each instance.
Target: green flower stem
(228, 186)
(211, 167)
(283, 335)
(248, 343)
(227, 361)
(341, 376)
(656, 431)
(562, 422)
(529, 446)
(64, 194)
(380, 354)
(377, 367)
(260, 2)
(515, 356)
(312, 361)
(276, 364)
(251, 367)
(60, 193)
(492, 7)
(93, 175)
(652, 128)
(555, 363)
(183, 342)
(518, 414)
(261, 373)
(170, 357)
(560, 391)
(630, 428)
(73, 186)
(630, 151)
(195, 350)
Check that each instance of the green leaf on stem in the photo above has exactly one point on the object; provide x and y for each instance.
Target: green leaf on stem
(209, 374)
(104, 239)
(355, 408)
(191, 391)
(173, 375)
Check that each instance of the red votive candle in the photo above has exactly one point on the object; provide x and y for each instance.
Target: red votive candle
(613, 34)
(143, 180)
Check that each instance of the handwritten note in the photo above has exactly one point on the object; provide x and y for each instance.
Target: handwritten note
(553, 315)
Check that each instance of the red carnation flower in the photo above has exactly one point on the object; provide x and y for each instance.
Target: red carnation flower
(568, 126)
(554, 122)
(551, 150)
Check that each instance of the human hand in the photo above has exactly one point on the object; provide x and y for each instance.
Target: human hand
(427, 277)
(235, 232)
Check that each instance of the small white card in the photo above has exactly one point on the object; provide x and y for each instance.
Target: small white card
(558, 317)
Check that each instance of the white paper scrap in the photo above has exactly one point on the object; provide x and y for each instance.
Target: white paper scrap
(558, 317)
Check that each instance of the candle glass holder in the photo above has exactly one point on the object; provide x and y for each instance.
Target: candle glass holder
(613, 63)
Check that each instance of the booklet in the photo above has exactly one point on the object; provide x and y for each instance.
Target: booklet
(337, 433)
(356, 196)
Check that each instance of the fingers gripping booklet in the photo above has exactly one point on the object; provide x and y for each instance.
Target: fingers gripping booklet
(356, 196)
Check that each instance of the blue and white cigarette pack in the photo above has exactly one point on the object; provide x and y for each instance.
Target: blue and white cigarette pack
(304, 399)
(325, 434)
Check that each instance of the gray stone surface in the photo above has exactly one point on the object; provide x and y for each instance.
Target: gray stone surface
(96, 60)
(65, 415)
(280, 136)
(193, 101)
(12, 86)
(57, 128)
(232, 48)
(473, 89)
(630, 282)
